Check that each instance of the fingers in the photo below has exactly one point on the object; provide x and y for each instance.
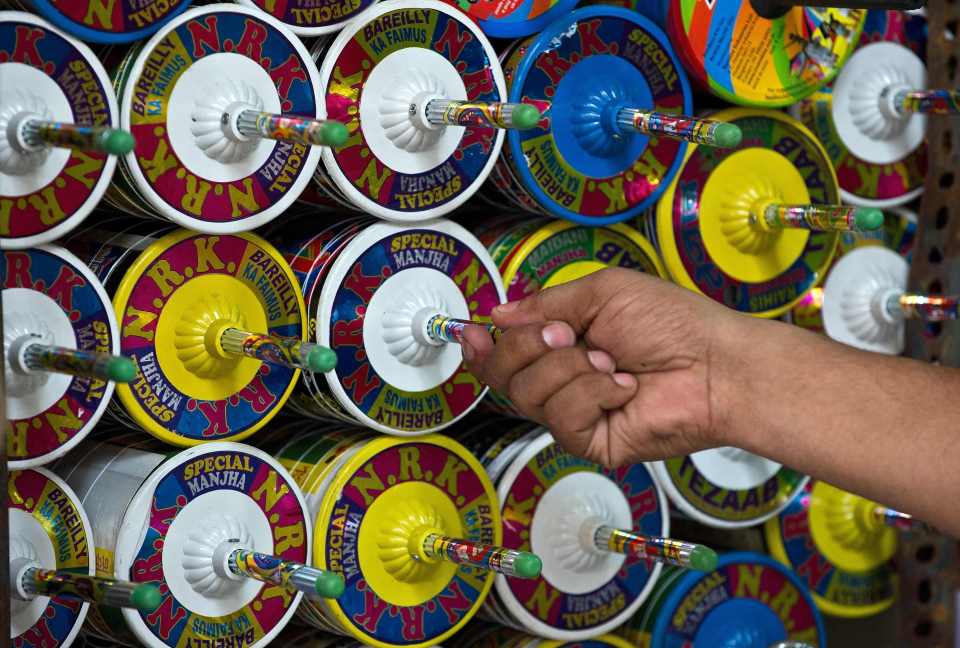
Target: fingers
(530, 388)
(573, 412)
(515, 350)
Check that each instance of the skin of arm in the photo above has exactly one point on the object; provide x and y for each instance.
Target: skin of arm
(623, 367)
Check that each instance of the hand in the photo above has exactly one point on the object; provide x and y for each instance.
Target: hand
(619, 365)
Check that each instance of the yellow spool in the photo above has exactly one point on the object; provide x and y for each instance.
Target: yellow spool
(198, 294)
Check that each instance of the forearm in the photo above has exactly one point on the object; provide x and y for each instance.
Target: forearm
(884, 428)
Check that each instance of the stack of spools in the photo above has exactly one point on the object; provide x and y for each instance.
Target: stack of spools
(408, 175)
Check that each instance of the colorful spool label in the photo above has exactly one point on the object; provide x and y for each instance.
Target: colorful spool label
(896, 27)
(361, 608)
(112, 18)
(172, 623)
(562, 610)
(372, 43)
(842, 588)
(68, 192)
(734, 584)
(312, 14)
(160, 395)
(39, 496)
(768, 63)
(731, 505)
(794, 144)
(382, 402)
(73, 411)
(184, 190)
(569, 161)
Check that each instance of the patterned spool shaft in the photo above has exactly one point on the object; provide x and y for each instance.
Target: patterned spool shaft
(902, 521)
(290, 128)
(104, 366)
(688, 129)
(516, 564)
(483, 114)
(771, 9)
(441, 328)
(666, 550)
(48, 582)
(929, 102)
(925, 307)
(314, 583)
(99, 139)
(292, 353)
(822, 218)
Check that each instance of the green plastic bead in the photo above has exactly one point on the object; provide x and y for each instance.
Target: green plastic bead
(121, 369)
(118, 142)
(333, 133)
(145, 597)
(703, 559)
(321, 359)
(525, 116)
(728, 136)
(527, 565)
(330, 585)
(868, 219)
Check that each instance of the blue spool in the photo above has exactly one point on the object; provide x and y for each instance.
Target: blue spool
(516, 24)
(49, 10)
(655, 10)
(747, 602)
(585, 67)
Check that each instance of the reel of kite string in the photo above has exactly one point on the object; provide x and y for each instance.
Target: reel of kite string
(372, 291)
(223, 101)
(866, 303)
(214, 323)
(221, 530)
(106, 22)
(411, 524)
(769, 62)
(880, 151)
(614, 130)
(765, 217)
(52, 581)
(61, 353)
(307, 18)
(58, 131)
(728, 488)
(422, 93)
(851, 541)
(600, 535)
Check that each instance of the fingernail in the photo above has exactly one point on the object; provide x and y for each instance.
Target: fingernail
(601, 361)
(468, 351)
(506, 308)
(558, 336)
(624, 379)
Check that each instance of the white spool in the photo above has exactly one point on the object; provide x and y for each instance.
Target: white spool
(855, 298)
(217, 496)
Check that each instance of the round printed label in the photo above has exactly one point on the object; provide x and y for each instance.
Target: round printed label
(192, 193)
(81, 403)
(108, 21)
(56, 61)
(312, 16)
(181, 285)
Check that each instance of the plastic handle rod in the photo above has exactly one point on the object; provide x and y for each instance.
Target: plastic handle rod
(314, 583)
(440, 329)
(771, 9)
(671, 552)
(820, 218)
(928, 102)
(897, 520)
(925, 307)
(45, 582)
(689, 129)
(485, 114)
(509, 562)
(292, 353)
(38, 133)
(104, 366)
(290, 128)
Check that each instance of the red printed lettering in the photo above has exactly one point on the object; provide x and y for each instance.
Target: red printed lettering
(205, 37)
(25, 48)
(453, 40)
(373, 609)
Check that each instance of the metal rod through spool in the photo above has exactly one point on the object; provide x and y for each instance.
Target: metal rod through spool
(902, 521)
(290, 128)
(819, 218)
(707, 132)
(292, 353)
(314, 583)
(35, 581)
(35, 356)
(449, 330)
(37, 133)
(927, 102)
(924, 307)
(666, 550)
(509, 562)
(772, 9)
(484, 114)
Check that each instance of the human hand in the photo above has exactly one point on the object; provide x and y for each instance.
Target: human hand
(621, 366)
